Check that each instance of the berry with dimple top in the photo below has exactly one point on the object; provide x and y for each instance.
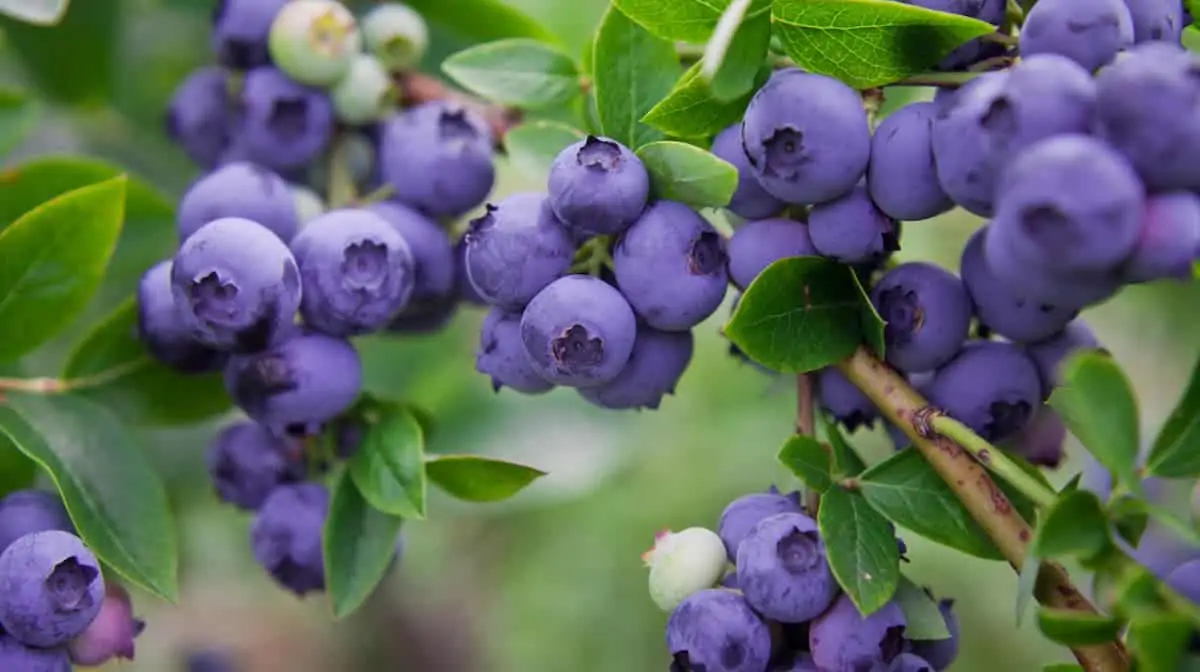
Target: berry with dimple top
(670, 265)
(991, 11)
(1089, 32)
(1045, 284)
(1050, 353)
(844, 401)
(315, 41)
(991, 387)
(905, 662)
(1041, 442)
(236, 285)
(162, 329)
(782, 569)
(598, 186)
(241, 31)
(902, 178)
(293, 387)
(286, 536)
(239, 190)
(745, 512)
(396, 34)
(843, 639)
(940, 653)
(749, 200)
(716, 631)
(24, 512)
(1168, 240)
(502, 355)
(365, 94)
(515, 249)
(246, 463)
(1156, 20)
(851, 229)
(199, 116)
(16, 656)
(438, 158)
(282, 124)
(927, 314)
(682, 564)
(757, 244)
(50, 588)
(578, 332)
(432, 250)
(111, 635)
(806, 136)
(655, 366)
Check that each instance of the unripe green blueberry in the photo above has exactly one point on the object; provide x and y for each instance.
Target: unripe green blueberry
(314, 41)
(309, 205)
(365, 94)
(684, 563)
(396, 34)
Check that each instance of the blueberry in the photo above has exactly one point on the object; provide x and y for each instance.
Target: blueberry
(50, 588)
(655, 366)
(716, 631)
(782, 569)
(1044, 284)
(239, 189)
(293, 387)
(940, 653)
(845, 402)
(246, 463)
(438, 158)
(365, 94)
(746, 511)
(670, 265)
(462, 281)
(750, 200)
(991, 11)
(162, 329)
(199, 116)
(111, 635)
(1041, 441)
(209, 661)
(432, 250)
(843, 639)
(307, 203)
(426, 317)
(902, 177)
(991, 387)
(286, 536)
(1168, 241)
(598, 186)
(806, 136)
(851, 229)
(396, 34)
(578, 332)
(730, 580)
(1185, 580)
(1049, 354)
(798, 661)
(282, 124)
(502, 355)
(682, 564)
(315, 41)
(24, 512)
(241, 29)
(16, 656)
(1156, 20)
(757, 244)
(515, 249)
(928, 315)
(236, 285)
(905, 662)
(1089, 32)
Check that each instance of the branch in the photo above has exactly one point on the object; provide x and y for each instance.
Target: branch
(416, 88)
(806, 426)
(987, 504)
(932, 422)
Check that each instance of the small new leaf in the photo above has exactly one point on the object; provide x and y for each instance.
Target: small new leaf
(1159, 641)
(1176, 451)
(688, 174)
(861, 548)
(1075, 526)
(810, 461)
(737, 48)
(533, 146)
(359, 544)
(923, 619)
(1097, 403)
(686, 20)
(37, 12)
(18, 113)
(389, 467)
(632, 71)
(1077, 628)
(474, 478)
(691, 111)
(519, 72)
(846, 461)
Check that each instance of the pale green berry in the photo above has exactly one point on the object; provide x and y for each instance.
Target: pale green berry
(365, 94)
(684, 563)
(396, 34)
(315, 41)
(309, 205)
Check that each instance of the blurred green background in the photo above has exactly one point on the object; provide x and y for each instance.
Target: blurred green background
(552, 580)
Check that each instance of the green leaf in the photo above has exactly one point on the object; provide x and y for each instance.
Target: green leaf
(1077, 628)
(923, 619)
(40, 12)
(1184, 529)
(737, 48)
(691, 111)
(872, 323)
(114, 496)
(633, 70)
(519, 72)
(134, 384)
(1063, 667)
(861, 547)
(1130, 518)
(18, 113)
(55, 257)
(1158, 641)
(359, 544)
(1176, 451)
(1074, 526)
(688, 174)
(867, 43)
(846, 461)
(687, 20)
(533, 146)
(17, 471)
(474, 478)
(389, 467)
(810, 461)
(75, 60)
(480, 20)
(1098, 405)
(799, 315)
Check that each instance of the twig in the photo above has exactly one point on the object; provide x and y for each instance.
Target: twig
(416, 88)
(806, 426)
(988, 455)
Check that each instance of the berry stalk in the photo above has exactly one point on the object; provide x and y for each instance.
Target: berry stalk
(805, 426)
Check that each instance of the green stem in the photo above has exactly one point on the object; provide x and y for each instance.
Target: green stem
(381, 194)
(59, 385)
(994, 459)
(1001, 38)
(1014, 15)
(937, 79)
(342, 192)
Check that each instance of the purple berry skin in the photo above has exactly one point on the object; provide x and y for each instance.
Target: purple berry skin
(845, 402)
(991, 11)
(438, 158)
(799, 661)
(236, 285)
(432, 250)
(658, 361)
(515, 249)
(210, 661)
(905, 662)
(902, 177)
(782, 569)
(1089, 32)
(750, 200)
(1168, 241)
(1185, 580)
(16, 656)
(286, 536)
(928, 315)
(1046, 284)
(598, 186)
(578, 332)
(1156, 20)
(730, 581)
(671, 266)
(239, 189)
(715, 630)
(806, 136)
(940, 653)
(25, 512)
(294, 387)
(1041, 442)
(356, 269)
(240, 31)
(50, 588)
(246, 463)
(851, 229)
(282, 124)
(199, 117)
(999, 307)
(992, 387)
(1050, 353)
(842, 639)
(162, 329)
(426, 317)
(501, 355)
(758, 244)
(112, 634)
(746, 511)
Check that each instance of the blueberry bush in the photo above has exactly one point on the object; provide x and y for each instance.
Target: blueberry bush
(346, 199)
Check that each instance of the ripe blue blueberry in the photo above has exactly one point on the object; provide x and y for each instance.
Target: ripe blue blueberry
(745, 512)
(670, 265)
(1168, 241)
(516, 248)
(928, 315)
(239, 189)
(1185, 580)
(1049, 354)
(852, 229)
(246, 462)
(425, 317)
(655, 366)
(209, 661)
(682, 564)
(1156, 20)
(236, 285)
(16, 656)
(806, 136)
(396, 34)
(991, 11)
(366, 94)
(902, 177)
(162, 329)
(844, 401)
(749, 200)
(50, 588)
(432, 251)
(991, 387)
(112, 634)
(282, 124)
(1041, 442)
(940, 653)
(314, 41)
(199, 117)
(759, 243)
(782, 569)
(24, 512)
(1046, 284)
(598, 186)
(286, 536)
(501, 355)
(797, 661)
(1089, 32)
(716, 631)
(843, 639)
(905, 662)
(241, 29)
